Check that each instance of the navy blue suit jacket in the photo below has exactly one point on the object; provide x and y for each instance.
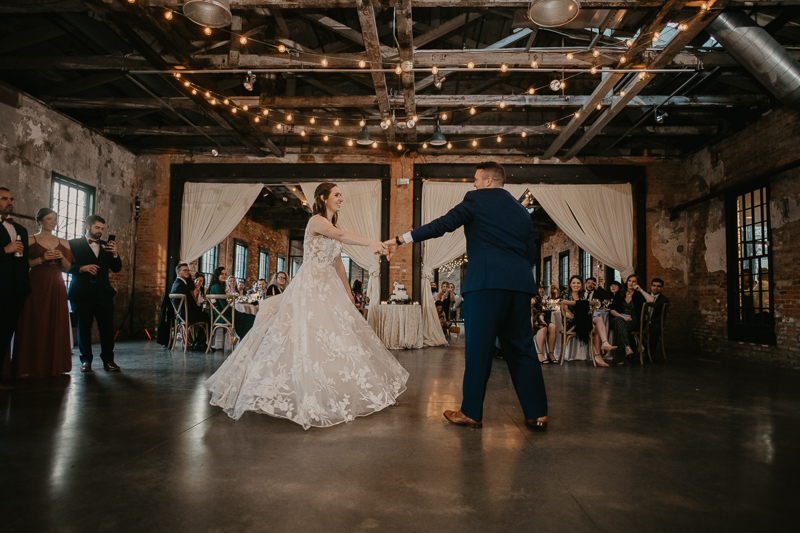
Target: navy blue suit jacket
(82, 289)
(500, 242)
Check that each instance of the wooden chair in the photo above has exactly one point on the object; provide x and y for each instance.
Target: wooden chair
(643, 335)
(218, 318)
(181, 322)
(569, 334)
(661, 339)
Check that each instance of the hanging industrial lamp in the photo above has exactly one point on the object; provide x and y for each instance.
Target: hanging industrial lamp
(364, 139)
(438, 138)
(211, 13)
(553, 13)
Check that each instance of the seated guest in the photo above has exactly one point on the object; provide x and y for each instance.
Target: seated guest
(593, 292)
(199, 291)
(277, 284)
(442, 318)
(542, 295)
(542, 330)
(218, 285)
(614, 287)
(183, 285)
(259, 288)
(242, 288)
(600, 340)
(446, 297)
(434, 289)
(358, 297)
(555, 294)
(655, 319)
(626, 310)
(231, 286)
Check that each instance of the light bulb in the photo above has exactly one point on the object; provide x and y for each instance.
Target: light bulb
(415, 118)
(499, 139)
(313, 120)
(570, 56)
(531, 89)
(577, 114)
(623, 59)
(474, 143)
(324, 61)
(242, 40)
(524, 134)
(177, 74)
(281, 48)
(266, 112)
(325, 138)
(399, 146)
(656, 36)
(289, 117)
(599, 106)
(470, 65)
(563, 84)
(350, 142)
(683, 27)
(434, 70)
(704, 7)
(444, 116)
(398, 70)
(194, 91)
(186, 84)
(593, 70)
(208, 94)
(374, 144)
(502, 104)
(449, 145)
(256, 120)
(168, 14)
(207, 31)
(280, 126)
(226, 101)
(628, 43)
(131, 1)
(596, 53)
(622, 93)
(472, 110)
(504, 67)
(303, 133)
(245, 107)
(362, 64)
(362, 123)
(336, 122)
(234, 110)
(213, 101)
(534, 64)
(642, 75)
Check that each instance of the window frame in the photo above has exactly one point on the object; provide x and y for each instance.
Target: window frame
(236, 244)
(561, 276)
(547, 272)
(88, 209)
(738, 330)
(585, 271)
(263, 252)
(281, 257)
(201, 264)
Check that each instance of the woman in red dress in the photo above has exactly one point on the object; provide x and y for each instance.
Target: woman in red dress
(43, 341)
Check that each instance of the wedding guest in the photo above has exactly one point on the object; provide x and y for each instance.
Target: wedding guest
(542, 330)
(600, 340)
(434, 289)
(542, 295)
(183, 285)
(660, 299)
(446, 297)
(231, 286)
(555, 294)
(199, 291)
(242, 288)
(91, 293)
(358, 297)
(277, 284)
(614, 287)
(46, 310)
(626, 310)
(15, 281)
(217, 285)
(442, 317)
(594, 292)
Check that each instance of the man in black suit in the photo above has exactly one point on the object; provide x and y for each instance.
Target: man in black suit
(91, 293)
(183, 285)
(15, 284)
(593, 292)
(655, 319)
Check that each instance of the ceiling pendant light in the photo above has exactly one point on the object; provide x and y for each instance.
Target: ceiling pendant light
(211, 13)
(552, 13)
(364, 139)
(438, 138)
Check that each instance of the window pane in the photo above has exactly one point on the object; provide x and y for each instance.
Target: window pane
(748, 201)
(757, 197)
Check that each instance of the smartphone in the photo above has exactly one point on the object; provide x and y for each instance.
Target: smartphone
(112, 238)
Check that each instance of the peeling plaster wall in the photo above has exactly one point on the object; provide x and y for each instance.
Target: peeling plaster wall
(36, 141)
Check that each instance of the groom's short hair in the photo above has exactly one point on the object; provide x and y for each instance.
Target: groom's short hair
(494, 170)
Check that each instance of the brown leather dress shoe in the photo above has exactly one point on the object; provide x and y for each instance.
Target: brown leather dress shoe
(539, 424)
(86, 367)
(111, 367)
(457, 417)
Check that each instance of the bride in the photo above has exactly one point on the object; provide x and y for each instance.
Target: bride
(311, 357)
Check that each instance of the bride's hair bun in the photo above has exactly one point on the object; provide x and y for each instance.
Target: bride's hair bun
(321, 194)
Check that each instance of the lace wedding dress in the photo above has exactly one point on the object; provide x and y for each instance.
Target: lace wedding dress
(310, 357)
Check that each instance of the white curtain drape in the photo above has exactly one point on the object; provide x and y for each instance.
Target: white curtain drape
(599, 218)
(360, 214)
(210, 212)
(437, 199)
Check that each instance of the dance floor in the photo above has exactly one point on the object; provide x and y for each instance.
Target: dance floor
(689, 445)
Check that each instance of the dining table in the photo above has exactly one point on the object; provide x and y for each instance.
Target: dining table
(399, 326)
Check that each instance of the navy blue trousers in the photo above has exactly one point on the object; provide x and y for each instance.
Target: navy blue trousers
(503, 314)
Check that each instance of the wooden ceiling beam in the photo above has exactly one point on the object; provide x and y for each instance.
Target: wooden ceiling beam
(405, 37)
(369, 30)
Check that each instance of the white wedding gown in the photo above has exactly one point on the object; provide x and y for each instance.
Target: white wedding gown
(310, 357)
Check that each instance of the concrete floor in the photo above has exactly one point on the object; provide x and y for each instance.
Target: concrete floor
(682, 446)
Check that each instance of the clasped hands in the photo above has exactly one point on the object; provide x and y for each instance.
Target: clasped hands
(387, 248)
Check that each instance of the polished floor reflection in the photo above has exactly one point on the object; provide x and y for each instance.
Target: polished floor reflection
(685, 446)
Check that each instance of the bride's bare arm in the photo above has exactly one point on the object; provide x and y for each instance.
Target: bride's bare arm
(343, 276)
(319, 225)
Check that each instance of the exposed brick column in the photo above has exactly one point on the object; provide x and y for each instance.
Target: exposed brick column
(401, 214)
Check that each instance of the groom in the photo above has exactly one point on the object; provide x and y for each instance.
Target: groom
(499, 286)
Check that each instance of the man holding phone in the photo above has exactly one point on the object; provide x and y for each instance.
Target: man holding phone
(91, 293)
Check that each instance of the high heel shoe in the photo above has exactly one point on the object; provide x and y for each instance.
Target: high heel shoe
(552, 358)
(599, 361)
(606, 347)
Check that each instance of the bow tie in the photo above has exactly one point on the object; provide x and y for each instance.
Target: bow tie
(94, 241)
(10, 220)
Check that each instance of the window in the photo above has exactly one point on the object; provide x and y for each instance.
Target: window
(73, 201)
(618, 276)
(263, 264)
(547, 273)
(563, 269)
(750, 302)
(346, 263)
(281, 263)
(240, 260)
(535, 272)
(208, 262)
(585, 264)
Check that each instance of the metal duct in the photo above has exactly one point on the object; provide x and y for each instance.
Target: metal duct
(760, 54)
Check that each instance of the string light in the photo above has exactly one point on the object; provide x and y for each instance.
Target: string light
(628, 43)
(313, 120)
(245, 107)
(279, 126)
(504, 67)
(470, 65)
(399, 146)
(168, 14)
(577, 114)
(242, 40)
(289, 117)
(303, 133)
(374, 144)
(683, 27)
(593, 70)
(531, 89)
(415, 118)
(281, 48)
(642, 75)
(450, 267)
(325, 138)
(213, 101)
(563, 84)
(474, 143)
(434, 70)
(266, 112)
(424, 145)
(623, 59)
(524, 134)
(502, 103)
(350, 142)
(570, 56)
(324, 61)
(704, 6)
(596, 52)
(207, 30)
(534, 64)
(186, 84)
(449, 145)
(656, 36)
(398, 70)
(131, 1)
(194, 91)
(622, 93)
(256, 120)
(226, 101)
(336, 122)
(362, 123)
(444, 116)
(599, 106)
(177, 74)
(208, 94)
(499, 139)
(472, 110)
(362, 64)
(234, 110)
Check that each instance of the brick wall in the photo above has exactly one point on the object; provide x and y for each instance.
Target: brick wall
(401, 220)
(257, 235)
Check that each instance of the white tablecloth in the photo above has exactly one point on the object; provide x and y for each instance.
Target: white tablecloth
(576, 350)
(398, 326)
(250, 309)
